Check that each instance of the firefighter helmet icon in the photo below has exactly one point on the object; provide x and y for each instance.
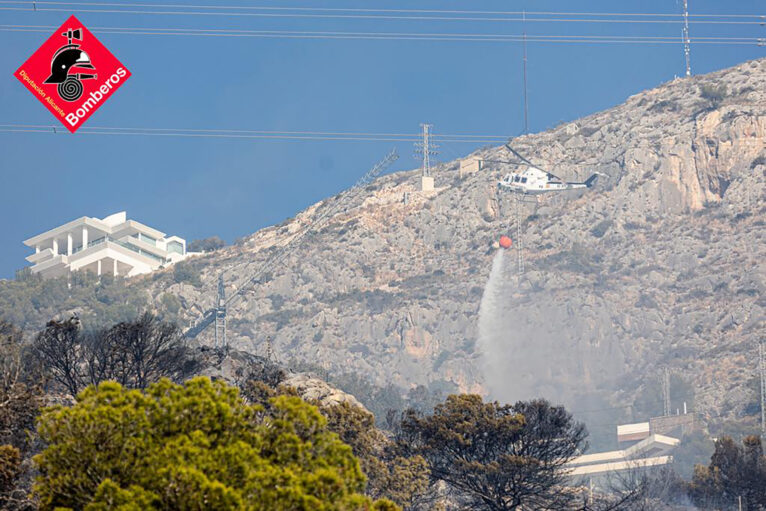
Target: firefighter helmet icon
(65, 66)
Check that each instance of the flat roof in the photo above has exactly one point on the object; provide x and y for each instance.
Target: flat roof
(615, 466)
(82, 221)
(94, 223)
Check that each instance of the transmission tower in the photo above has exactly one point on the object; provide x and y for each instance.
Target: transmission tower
(762, 370)
(666, 391)
(220, 315)
(687, 43)
(426, 149)
(333, 208)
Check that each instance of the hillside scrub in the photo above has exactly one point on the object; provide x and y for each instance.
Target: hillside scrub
(28, 302)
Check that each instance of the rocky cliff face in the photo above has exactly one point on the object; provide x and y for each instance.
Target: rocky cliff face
(661, 264)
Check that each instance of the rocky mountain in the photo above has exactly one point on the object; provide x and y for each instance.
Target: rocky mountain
(661, 264)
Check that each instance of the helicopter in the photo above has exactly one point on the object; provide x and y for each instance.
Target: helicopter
(536, 181)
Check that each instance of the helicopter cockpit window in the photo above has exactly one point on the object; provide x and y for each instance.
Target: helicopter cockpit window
(523, 180)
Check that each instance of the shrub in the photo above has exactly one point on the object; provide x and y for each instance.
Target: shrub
(206, 245)
(171, 303)
(715, 94)
(185, 273)
(600, 228)
(665, 105)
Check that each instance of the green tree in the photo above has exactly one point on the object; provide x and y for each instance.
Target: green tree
(735, 471)
(197, 446)
(494, 456)
(400, 478)
(389, 475)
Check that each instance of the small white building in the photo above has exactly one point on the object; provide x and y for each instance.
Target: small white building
(113, 245)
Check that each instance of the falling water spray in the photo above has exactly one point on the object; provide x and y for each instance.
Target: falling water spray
(494, 328)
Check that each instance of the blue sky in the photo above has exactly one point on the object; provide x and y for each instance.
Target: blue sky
(232, 187)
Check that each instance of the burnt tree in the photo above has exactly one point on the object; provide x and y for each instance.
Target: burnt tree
(497, 457)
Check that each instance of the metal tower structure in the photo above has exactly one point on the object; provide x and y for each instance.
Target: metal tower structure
(526, 105)
(426, 149)
(666, 391)
(220, 315)
(519, 248)
(687, 42)
(331, 208)
(762, 371)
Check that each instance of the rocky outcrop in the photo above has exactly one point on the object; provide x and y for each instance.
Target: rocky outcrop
(313, 389)
(662, 264)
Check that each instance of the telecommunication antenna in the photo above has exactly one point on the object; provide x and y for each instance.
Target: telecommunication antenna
(762, 370)
(666, 391)
(687, 43)
(519, 248)
(220, 315)
(526, 105)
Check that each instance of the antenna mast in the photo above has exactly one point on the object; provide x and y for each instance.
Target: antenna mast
(519, 248)
(220, 315)
(526, 106)
(762, 370)
(666, 390)
(687, 42)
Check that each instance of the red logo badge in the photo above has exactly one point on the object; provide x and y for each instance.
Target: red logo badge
(72, 74)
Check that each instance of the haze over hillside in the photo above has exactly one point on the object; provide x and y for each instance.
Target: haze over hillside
(661, 264)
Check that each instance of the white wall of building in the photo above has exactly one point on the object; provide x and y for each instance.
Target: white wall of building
(113, 245)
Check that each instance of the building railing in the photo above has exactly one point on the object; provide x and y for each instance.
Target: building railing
(124, 244)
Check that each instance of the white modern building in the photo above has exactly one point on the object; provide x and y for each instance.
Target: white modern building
(652, 451)
(113, 245)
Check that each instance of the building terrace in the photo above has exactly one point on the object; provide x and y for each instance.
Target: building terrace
(113, 245)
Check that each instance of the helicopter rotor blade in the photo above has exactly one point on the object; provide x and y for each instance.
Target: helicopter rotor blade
(505, 162)
(519, 156)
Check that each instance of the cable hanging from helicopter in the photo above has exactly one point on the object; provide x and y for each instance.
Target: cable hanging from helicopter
(531, 181)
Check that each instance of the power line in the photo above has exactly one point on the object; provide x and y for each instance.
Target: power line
(376, 14)
(400, 36)
(219, 130)
(463, 138)
(356, 9)
(254, 134)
